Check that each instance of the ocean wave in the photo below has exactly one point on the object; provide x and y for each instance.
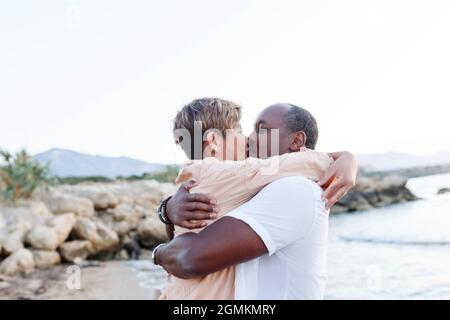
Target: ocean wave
(406, 242)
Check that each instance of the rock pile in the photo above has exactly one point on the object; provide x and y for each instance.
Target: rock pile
(72, 223)
(375, 192)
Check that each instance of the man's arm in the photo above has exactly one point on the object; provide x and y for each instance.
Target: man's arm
(267, 223)
(225, 243)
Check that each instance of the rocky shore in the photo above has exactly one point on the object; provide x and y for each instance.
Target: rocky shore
(117, 221)
(86, 221)
(443, 191)
(375, 192)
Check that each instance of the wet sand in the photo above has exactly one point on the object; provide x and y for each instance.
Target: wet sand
(112, 280)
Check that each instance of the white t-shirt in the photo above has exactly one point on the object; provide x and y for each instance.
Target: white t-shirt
(290, 218)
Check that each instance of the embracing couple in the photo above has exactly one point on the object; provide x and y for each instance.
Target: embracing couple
(250, 218)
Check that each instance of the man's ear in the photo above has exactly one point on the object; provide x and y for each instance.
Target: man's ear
(298, 141)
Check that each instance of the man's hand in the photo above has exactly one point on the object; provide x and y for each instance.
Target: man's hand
(340, 177)
(191, 210)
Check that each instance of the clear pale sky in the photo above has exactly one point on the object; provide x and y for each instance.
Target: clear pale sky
(106, 77)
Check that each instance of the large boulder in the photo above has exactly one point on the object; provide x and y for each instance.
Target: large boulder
(124, 227)
(12, 242)
(125, 217)
(63, 225)
(151, 231)
(44, 238)
(82, 207)
(102, 199)
(375, 192)
(14, 234)
(74, 250)
(44, 259)
(18, 221)
(32, 212)
(100, 196)
(101, 237)
(20, 261)
(125, 211)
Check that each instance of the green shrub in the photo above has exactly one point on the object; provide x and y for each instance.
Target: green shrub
(20, 175)
(167, 175)
(76, 180)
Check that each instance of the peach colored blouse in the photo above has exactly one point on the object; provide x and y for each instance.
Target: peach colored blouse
(232, 183)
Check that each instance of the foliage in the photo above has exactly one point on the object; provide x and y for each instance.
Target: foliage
(167, 175)
(20, 175)
(76, 180)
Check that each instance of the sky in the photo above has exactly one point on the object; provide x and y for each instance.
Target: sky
(107, 77)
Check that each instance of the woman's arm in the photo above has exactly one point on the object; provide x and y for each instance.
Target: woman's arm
(340, 177)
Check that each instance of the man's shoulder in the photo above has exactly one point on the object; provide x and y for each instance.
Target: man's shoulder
(294, 184)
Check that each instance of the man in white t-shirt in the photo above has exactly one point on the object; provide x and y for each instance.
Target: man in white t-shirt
(277, 240)
(289, 216)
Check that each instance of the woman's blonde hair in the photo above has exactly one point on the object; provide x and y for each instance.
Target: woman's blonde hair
(207, 114)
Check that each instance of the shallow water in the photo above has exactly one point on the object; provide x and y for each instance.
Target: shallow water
(398, 252)
(150, 277)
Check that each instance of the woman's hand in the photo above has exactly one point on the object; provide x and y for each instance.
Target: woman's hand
(191, 210)
(340, 177)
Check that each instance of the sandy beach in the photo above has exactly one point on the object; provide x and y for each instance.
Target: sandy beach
(112, 280)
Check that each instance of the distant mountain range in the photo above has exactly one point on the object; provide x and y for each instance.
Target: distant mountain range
(67, 163)
(394, 161)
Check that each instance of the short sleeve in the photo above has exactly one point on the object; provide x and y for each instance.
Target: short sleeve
(191, 170)
(281, 213)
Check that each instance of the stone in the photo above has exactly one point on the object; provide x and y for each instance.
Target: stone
(76, 250)
(122, 228)
(151, 231)
(16, 229)
(101, 199)
(4, 285)
(124, 211)
(44, 238)
(18, 221)
(338, 209)
(39, 209)
(30, 213)
(81, 207)
(109, 239)
(121, 255)
(101, 237)
(20, 261)
(443, 190)
(63, 225)
(45, 259)
(85, 229)
(12, 243)
(375, 192)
